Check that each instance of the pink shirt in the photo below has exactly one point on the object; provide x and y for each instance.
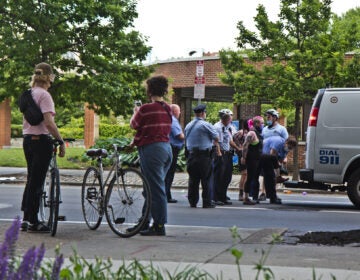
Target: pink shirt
(46, 104)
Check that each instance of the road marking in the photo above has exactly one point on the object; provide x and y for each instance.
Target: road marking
(243, 208)
(5, 205)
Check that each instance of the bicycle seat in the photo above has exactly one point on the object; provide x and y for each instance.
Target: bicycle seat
(97, 153)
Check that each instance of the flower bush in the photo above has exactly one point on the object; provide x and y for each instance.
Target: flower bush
(30, 266)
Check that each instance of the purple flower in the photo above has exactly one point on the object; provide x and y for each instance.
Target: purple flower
(40, 252)
(26, 269)
(7, 249)
(56, 268)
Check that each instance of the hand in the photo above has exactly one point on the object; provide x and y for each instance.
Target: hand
(62, 150)
(136, 109)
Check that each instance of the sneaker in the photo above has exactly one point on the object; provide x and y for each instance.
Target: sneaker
(38, 227)
(247, 201)
(154, 230)
(144, 227)
(24, 226)
(262, 197)
(171, 200)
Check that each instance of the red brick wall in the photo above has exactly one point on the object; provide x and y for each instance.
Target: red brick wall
(182, 72)
(5, 123)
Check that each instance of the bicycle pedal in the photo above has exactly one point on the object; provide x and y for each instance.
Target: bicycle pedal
(119, 220)
(62, 218)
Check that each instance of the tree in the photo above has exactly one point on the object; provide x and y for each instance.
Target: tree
(299, 54)
(91, 44)
(346, 30)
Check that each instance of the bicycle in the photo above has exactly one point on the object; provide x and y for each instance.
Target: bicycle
(126, 203)
(51, 196)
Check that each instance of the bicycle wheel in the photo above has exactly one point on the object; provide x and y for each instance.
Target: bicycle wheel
(44, 207)
(127, 202)
(54, 201)
(91, 198)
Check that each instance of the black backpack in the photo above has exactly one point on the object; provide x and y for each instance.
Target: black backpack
(29, 108)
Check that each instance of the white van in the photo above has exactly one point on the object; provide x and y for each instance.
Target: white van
(333, 143)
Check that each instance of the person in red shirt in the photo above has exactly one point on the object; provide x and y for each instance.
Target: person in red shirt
(152, 123)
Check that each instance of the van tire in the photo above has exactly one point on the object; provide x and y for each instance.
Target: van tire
(353, 188)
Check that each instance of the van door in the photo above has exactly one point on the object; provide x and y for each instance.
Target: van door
(337, 134)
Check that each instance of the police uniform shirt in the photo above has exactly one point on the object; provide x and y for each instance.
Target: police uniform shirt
(225, 135)
(277, 130)
(201, 135)
(276, 143)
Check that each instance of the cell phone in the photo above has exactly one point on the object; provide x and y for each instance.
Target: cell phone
(138, 103)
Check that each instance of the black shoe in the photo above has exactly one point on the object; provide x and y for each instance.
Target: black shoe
(193, 205)
(144, 227)
(38, 228)
(24, 226)
(218, 202)
(228, 198)
(209, 205)
(227, 202)
(171, 200)
(154, 230)
(275, 201)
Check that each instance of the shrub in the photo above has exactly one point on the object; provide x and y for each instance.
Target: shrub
(16, 130)
(115, 131)
(72, 132)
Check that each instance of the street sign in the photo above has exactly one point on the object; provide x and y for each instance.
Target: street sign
(199, 87)
(199, 68)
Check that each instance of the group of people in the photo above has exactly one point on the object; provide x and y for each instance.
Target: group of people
(261, 151)
(159, 138)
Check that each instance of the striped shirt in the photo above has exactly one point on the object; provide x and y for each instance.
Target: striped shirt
(152, 123)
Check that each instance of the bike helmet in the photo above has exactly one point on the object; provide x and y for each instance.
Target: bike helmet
(273, 113)
(223, 112)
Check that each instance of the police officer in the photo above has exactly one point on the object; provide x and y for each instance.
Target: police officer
(223, 163)
(200, 136)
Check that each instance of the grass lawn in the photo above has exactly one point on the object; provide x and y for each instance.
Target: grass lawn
(14, 157)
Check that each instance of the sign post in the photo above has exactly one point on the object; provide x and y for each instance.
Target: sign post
(199, 85)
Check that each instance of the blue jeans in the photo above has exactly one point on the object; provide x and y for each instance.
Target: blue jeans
(155, 160)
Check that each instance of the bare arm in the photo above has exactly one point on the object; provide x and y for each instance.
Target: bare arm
(180, 136)
(53, 129)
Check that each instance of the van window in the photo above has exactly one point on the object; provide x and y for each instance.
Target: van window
(340, 110)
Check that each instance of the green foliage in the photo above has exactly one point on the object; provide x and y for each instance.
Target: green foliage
(92, 45)
(72, 132)
(300, 56)
(112, 131)
(16, 130)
